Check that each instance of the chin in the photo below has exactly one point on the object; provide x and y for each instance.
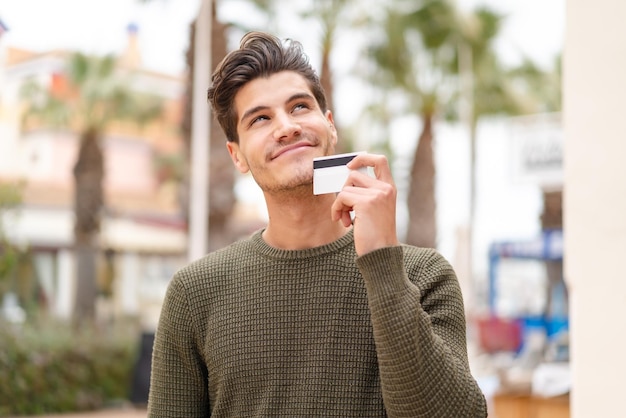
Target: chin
(298, 184)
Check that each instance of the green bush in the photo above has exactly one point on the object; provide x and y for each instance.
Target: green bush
(53, 367)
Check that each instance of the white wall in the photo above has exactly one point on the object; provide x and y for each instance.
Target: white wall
(595, 202)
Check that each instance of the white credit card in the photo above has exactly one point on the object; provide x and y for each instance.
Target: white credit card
(330, 173)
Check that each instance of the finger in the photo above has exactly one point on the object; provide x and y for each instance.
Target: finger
(338, 209)
(359, 187)
(346, 219)
(359, 179)
(377, 161)
(342, 214)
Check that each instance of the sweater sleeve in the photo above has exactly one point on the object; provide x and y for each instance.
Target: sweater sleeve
(419, 330)
(178, 382)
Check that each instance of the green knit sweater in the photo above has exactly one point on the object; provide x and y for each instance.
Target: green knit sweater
(251, 330)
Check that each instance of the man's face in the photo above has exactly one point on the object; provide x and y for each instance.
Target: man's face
(281, 129)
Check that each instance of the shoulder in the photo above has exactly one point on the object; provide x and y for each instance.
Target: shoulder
(423, 266)
(429, 269)
(425, 259)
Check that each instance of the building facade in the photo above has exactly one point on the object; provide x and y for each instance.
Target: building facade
(143, 230)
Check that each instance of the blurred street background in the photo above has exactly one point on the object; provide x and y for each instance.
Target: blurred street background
(113, 176)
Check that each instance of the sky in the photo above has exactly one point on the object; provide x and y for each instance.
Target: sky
(100, 26)
(533, 27)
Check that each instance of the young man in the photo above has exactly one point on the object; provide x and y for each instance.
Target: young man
(317, 314)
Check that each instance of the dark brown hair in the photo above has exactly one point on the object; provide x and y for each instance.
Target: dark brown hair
(259, 55)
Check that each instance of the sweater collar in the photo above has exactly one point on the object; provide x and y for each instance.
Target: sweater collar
(266, 250)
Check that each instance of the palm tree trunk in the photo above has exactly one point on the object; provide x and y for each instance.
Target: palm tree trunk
(88, 202)
(422, 228)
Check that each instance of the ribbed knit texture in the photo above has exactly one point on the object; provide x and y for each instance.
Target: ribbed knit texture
(254, 331)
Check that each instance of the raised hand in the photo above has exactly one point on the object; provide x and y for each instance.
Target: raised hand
(373, 201)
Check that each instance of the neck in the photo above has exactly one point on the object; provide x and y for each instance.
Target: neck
(302, 222)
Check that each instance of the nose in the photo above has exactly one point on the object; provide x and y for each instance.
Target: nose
(286, 127)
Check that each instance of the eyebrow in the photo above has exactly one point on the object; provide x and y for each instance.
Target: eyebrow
(298, 96)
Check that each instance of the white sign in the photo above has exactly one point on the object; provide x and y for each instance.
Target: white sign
(537, 149)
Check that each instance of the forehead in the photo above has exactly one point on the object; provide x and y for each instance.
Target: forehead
(269, 91)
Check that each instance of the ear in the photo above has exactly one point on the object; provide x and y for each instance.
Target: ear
(237, 157)
(333, 129)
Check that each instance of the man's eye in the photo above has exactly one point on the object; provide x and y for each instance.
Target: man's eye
(300, 106)
(258, 119)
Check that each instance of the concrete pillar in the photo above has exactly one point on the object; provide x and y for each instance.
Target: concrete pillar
(595, 202)
(65, 284)
(129, 278)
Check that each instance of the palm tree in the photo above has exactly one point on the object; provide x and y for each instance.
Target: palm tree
(494, 88)
(86, 98)
(413, 57)
(486, 88)
(428, 54)
(541, 89)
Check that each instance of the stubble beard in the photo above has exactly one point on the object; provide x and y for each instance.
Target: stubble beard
(300, 184)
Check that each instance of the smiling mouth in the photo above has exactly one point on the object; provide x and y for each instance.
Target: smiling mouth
(289, 148)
